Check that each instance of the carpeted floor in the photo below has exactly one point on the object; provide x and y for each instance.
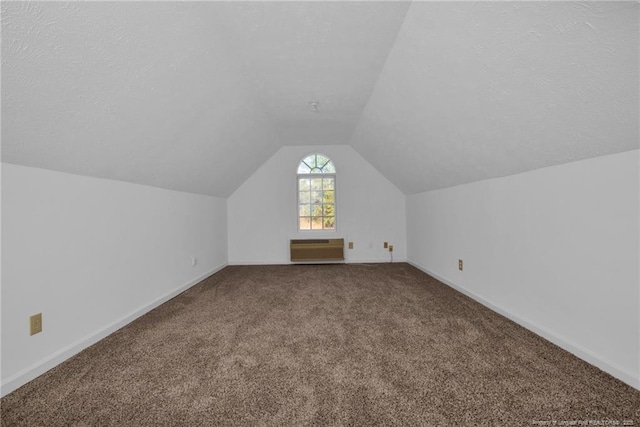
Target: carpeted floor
(371, 344)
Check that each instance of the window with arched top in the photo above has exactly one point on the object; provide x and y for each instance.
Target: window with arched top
(316, 193)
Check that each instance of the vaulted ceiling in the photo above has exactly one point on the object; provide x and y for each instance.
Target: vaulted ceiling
(194, 96)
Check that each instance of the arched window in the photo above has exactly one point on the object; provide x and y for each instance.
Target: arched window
(316, 193)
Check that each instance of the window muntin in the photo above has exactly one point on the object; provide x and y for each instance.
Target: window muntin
(316, 193)
(316, 163)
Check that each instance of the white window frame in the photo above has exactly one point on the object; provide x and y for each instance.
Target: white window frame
(335, 197)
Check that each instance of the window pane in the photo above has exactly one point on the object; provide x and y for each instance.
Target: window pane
(316, 183)
(329, 168)
(327, 184)
(316, 163)
(305, 223)
(321, 161)
(329, 197)
(328, 210)
(304, 197)
(304, 210)
(304, 184)
(316, 210)
(303, 168)
(316, 223)
(329, 222)
(310, 161)
(316, 197)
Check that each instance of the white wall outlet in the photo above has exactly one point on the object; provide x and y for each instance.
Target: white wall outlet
(194, 261)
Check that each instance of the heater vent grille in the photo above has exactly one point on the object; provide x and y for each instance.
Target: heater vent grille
(317, 250)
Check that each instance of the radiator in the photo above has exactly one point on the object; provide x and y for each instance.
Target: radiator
(317, 249)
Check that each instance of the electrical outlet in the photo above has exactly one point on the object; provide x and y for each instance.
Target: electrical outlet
(460, 266)
(385, 245)
(390, 248)
(350, 245)
(194, 261)
(35, 323)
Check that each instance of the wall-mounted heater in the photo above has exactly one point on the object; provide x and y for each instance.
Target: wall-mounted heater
(317, 250)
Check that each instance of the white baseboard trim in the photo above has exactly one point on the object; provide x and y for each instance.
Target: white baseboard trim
(240, 263)
(375, 261)
(28, 374)
(346, 261)
(588, 356)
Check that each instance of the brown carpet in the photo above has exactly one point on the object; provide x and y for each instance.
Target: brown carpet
(376, 344)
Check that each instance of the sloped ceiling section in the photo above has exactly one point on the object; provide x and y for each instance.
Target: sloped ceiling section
(190, 96)
(195, 96)
(298, 52)
(144, 92)
(477, 90)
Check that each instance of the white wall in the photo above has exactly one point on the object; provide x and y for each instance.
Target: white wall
(555, 249)
(91, 255)
(262, 212)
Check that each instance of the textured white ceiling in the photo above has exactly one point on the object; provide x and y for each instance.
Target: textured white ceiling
(194, 96)
(296, 52)
(184, 95)
(477, 90)
(139, 92)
